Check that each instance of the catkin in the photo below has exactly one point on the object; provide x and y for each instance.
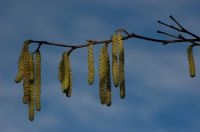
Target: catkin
(20, 73)
(69, 89)
(26, 76)
(61, 73)
(65, 81)
(31, 68)
(91, 71)
(121, 65)
(115, 68)
(37, 80)
(107, 80)
(31, 102)
(191, 61)
(102, 74)
(19, 76)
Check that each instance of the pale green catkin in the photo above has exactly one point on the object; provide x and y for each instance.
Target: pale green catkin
(69, 89)
(91, 70)
(121, 66)
(38, 80)
(107, 79)
(102, 74)
(20, 73)
(191, 61)
(115, 67)
(61, 73)
(31, 68)
(65, 82)
(26, 76)
(31, 102)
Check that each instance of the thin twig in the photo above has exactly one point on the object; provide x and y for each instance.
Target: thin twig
(169, 26)
(164, 33)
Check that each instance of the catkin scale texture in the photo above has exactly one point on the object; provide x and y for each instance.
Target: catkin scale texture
(91, 70)
(20, 73)
(121, 66)
(191, 61)
(61, 74)
(69, 89)
(26, 77)
(38, 80)
(31, 103)
(65, 82)
(31, 68)
(102, 74)
(107, 79)
(19, 76)
(115, 68)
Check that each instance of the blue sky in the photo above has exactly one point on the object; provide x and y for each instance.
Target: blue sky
(161, 97)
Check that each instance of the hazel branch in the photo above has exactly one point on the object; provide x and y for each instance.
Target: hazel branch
(177, 39)
(95, 42)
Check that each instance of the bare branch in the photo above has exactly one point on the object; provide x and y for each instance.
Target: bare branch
(169, 26)
(177, 39)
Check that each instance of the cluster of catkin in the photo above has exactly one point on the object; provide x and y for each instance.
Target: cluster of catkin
(191, 61)
(118, 63)
(65, 74)
(29, 72)
(104, 69)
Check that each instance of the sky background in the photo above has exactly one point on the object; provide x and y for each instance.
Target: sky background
(160, 95)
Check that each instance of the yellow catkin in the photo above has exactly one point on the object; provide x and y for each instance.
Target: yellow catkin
(91, 70)
(38, 80)
(121, 65)
(107, 80)
(20, 73)
(191, 61)
(65, 81)
(31, 103)
(61, 73)
(19, 76)
(102, 74)
(115, 68)
(26, 76)
(31, 68)
(69, 89)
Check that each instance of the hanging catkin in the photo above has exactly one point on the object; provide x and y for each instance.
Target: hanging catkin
(191, 61)
(65, 80)
(115, 68)
(26, 76)
(102, 74)
(121, 65)
(61, 73)
(31, 89)
(69, 88)
(19, 76)
(91, 71)
(31, 68)
(107, 79)
(38, 80)
(20, 73)
(31, 102)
